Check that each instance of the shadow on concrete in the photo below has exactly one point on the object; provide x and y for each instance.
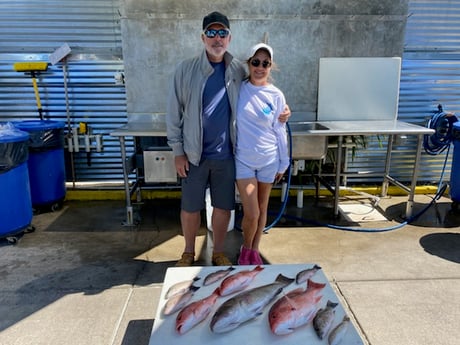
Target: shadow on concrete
(438, 215)
(90, 238)
(138, 332)
(445, 245)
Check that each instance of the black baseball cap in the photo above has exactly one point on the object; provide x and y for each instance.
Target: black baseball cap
(215, 18)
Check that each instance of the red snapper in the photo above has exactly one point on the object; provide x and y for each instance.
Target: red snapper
(195, 312)
(295, 309)
(238, 281)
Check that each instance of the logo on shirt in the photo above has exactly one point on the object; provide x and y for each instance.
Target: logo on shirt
(268, 109)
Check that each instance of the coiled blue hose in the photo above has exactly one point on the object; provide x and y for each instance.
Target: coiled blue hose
(441, 139)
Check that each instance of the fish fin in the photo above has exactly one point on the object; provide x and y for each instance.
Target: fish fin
(314, 285)
(295, 291)
(283, 279)
(196, 278)
(316, 267)
(194, 288)
(258, 268)
(291, 302)
(331, 304)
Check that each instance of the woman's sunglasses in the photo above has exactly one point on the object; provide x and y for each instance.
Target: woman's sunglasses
(211, 33)
(257, 62)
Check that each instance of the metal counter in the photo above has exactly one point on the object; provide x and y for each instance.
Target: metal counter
(391, 128)
(135, 129)
(338, 129)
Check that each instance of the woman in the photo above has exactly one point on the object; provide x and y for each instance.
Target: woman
(261, 148)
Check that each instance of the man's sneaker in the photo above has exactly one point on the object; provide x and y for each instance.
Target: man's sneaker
(186, 260)
(254, 258)
(219, 259)
(244, 258)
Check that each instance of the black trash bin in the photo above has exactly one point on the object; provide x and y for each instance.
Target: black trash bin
(46, 162)
(15, 199)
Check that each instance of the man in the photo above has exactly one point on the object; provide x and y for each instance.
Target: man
(200, 125)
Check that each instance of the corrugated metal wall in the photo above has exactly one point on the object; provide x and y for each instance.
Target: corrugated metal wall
(33, 29)
(430, 76)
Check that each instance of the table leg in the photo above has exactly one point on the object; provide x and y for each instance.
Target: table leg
(129, 208)
(410, 201)
(386, 175)
(338, 175)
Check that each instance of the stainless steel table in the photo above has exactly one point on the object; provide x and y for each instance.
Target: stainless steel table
(338, 129)
(135, 129)
(391, 128)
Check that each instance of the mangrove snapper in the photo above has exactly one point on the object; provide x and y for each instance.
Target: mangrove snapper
(339, 331)
(180, 287)
(216, 276)
(178, 301)
(323, 319)
(306, 274)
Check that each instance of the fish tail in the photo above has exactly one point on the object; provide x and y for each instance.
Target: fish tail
(283, 279)
(194, 288)
(314, 285)
(258, 268)
(331, 304)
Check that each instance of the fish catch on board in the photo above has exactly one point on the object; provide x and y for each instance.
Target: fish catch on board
(295, 309)
(238, 281)
(324, 318)
(306, 274)
(216, 276)
(180, 287)
(247, 305)
(179, 301)
(337, 334)
(195, 312)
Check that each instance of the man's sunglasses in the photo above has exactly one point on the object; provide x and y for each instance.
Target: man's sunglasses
(257, 62)
(211, 33)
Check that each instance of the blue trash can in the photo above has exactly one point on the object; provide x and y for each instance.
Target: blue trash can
(46, 162)
(455, 171)
(15, 199)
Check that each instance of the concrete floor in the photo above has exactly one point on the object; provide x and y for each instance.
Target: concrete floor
(83, 278)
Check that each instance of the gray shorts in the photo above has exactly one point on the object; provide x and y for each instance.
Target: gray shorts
(219, 176)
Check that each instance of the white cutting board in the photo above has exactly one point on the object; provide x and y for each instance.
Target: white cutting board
(256, 331)
(358, 88)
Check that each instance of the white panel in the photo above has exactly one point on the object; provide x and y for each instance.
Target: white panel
(358, 88)
(159, 166)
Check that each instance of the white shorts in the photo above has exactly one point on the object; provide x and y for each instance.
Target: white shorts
(265, 174)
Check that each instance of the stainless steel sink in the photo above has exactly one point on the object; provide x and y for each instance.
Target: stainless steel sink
(306, 144)
(307, 126)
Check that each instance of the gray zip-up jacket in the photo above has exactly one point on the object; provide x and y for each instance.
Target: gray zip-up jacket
(183, 119)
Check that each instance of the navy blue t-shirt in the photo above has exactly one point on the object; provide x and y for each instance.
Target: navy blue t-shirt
(216, 116)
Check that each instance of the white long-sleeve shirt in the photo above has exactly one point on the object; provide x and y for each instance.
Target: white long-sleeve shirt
(261, 138)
